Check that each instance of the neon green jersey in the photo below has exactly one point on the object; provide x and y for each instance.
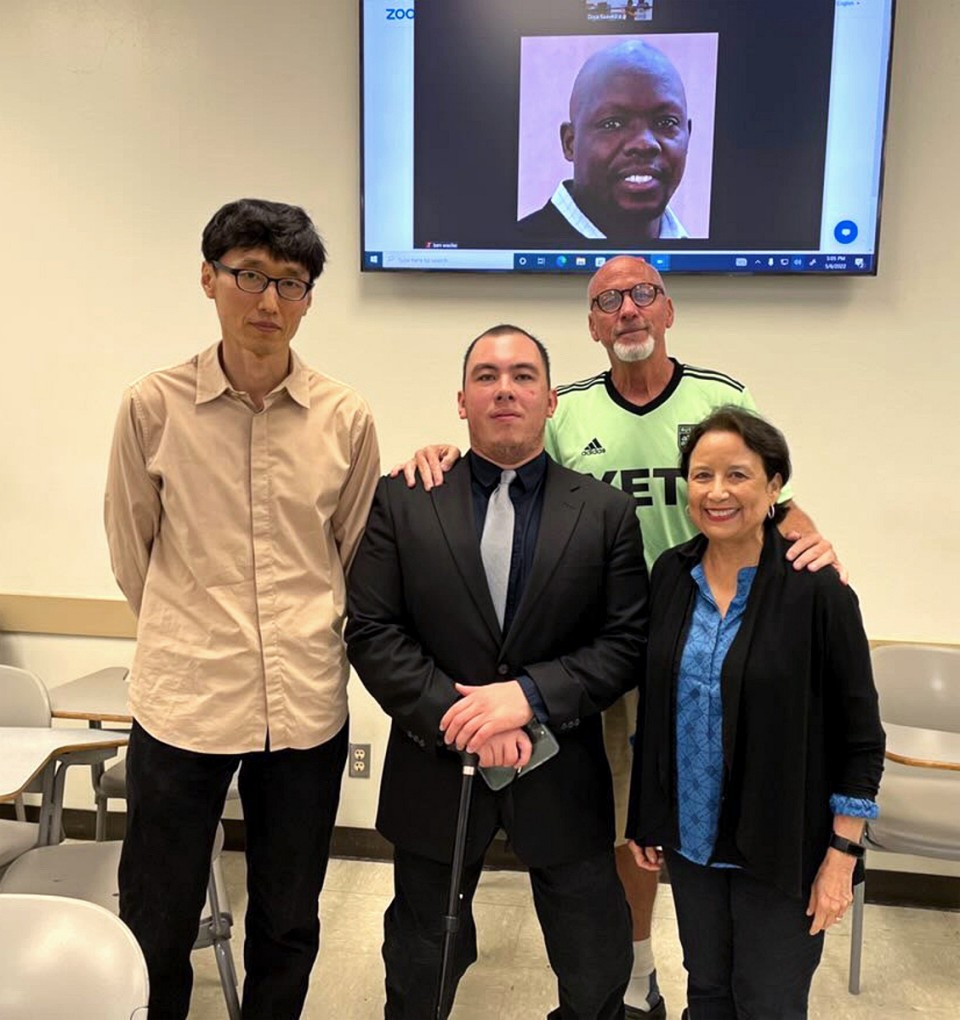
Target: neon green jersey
(637, 449)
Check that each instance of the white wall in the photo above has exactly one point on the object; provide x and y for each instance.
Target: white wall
(124, 124)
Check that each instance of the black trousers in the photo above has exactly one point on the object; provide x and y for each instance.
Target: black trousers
(582, 912)
(174, 801)
(747, 946)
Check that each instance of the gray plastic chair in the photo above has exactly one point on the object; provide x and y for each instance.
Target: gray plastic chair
(111, 784)
(23, 702)
(88, 871)
(919, 687)
(23, 698)
(48, 967)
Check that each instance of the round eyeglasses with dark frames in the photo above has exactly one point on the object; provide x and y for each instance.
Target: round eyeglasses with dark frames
(641, 294)
(252, 281)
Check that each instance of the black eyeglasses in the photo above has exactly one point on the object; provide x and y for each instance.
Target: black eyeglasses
(254, 282)
(641, 294)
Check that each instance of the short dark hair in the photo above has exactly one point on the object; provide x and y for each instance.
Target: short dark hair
(758, 435)
(286, 231)
(505, 329)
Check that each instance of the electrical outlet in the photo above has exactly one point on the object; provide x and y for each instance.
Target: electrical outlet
(358, 761)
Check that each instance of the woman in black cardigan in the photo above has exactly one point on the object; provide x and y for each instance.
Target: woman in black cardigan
(759, 745)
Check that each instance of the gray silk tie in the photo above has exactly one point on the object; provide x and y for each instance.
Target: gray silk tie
(496, 542)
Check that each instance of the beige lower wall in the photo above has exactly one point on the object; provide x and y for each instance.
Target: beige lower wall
(75, 617)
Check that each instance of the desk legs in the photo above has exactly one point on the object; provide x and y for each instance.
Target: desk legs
(54, 778)
(46, 805)
(99, 799)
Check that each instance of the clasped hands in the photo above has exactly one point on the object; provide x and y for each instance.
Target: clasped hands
(488, 721)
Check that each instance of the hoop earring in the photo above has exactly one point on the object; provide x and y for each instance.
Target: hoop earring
(772, 511)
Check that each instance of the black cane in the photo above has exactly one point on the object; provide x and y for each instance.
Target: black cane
(451, 920)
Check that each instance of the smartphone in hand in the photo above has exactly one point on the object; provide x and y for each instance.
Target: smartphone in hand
(545, 746)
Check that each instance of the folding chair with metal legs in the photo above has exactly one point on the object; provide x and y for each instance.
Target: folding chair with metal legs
(216, 930)
(856, 938)
(88, 871)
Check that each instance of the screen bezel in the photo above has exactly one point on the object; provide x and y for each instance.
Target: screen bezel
(674, 262)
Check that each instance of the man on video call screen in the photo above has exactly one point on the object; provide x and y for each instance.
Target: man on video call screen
(627, 139)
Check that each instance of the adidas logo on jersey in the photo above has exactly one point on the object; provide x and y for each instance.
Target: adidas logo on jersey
(594, 446)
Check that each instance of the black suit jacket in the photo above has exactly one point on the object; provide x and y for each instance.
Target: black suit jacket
(420, 617)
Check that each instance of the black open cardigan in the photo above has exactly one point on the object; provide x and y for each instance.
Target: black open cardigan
(800, 715)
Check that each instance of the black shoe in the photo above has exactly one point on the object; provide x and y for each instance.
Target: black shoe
(656, 1011)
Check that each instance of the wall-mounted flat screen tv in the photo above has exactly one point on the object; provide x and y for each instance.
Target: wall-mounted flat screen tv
(546, 136)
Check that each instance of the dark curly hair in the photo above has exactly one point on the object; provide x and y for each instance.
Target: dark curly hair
(285, 231)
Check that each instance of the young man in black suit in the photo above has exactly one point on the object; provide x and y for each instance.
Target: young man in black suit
(460, 663)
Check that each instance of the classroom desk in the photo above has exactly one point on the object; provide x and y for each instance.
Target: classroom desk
(101, 697)
(27, 752)
(97, 697)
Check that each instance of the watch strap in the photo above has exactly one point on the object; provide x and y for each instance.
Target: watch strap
(847, 846)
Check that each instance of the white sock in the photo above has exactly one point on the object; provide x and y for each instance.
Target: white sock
(639, 987)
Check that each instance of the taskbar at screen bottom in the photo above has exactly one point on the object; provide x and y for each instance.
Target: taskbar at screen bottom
(769, 263)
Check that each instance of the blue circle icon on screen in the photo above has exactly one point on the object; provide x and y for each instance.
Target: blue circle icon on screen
(846, 231)
(561, 260)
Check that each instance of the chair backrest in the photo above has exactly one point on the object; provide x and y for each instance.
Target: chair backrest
(23, 698)
(919, 685)
(61, 958)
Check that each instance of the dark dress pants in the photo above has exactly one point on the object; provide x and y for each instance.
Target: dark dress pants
(174, 801)
(582, 912)
(747, 946)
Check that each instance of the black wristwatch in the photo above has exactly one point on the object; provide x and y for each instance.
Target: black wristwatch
(847, 846)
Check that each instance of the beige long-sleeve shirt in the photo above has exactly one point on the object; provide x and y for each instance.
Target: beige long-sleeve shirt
(230, 533)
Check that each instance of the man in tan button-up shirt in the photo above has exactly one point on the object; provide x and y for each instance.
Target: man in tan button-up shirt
(238, 488)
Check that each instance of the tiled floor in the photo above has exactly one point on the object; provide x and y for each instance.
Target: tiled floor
(911, 957)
